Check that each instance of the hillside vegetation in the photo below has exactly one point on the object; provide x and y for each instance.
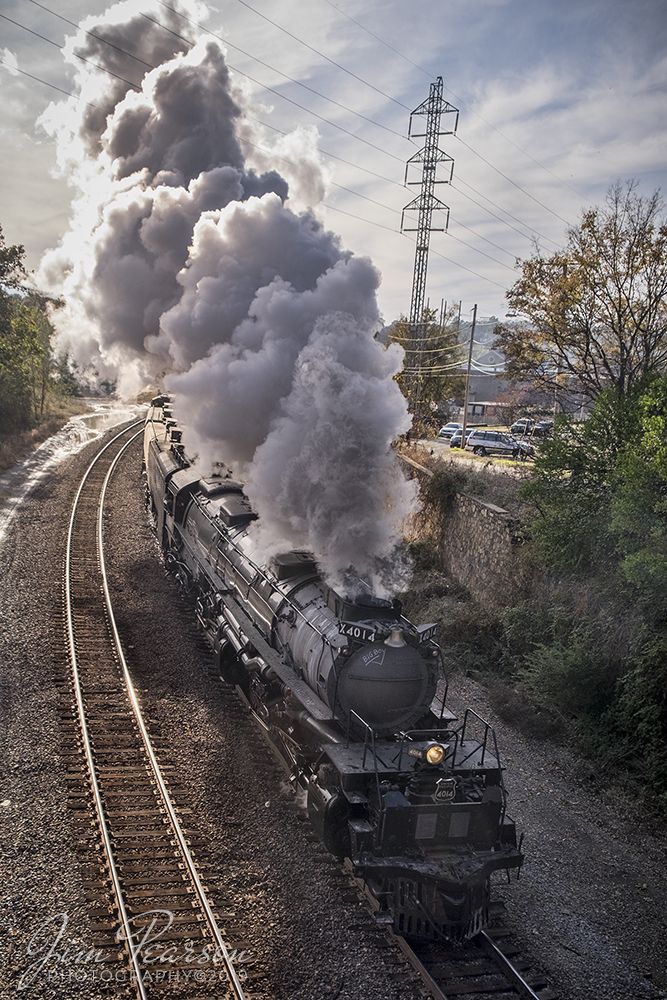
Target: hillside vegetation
(584, 656)
(37, 389)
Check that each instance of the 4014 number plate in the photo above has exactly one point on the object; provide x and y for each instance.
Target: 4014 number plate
(356, 631)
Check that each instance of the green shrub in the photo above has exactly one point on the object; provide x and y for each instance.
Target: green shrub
(639, 713)
(576, 676)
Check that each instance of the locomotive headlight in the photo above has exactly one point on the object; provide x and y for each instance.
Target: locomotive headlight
(435, 754)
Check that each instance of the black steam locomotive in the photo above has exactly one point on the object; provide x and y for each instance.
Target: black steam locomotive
(345, 689)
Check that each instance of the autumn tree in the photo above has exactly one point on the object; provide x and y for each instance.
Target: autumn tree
(594, 315)
(26, 363)
(433, 358)
(12, 270)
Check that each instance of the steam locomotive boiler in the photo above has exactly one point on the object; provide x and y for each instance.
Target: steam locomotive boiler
(345, 690)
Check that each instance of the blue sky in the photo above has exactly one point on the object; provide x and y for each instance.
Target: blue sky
(557, 101)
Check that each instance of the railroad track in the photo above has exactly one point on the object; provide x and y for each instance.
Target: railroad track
(489, 965)
(158, 925)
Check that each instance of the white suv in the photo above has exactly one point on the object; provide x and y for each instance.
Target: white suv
(497, 443)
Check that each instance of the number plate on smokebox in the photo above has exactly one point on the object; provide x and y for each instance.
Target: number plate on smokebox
(356, 631)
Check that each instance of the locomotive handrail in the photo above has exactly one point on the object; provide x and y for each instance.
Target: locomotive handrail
(368, 729)
(443, 673)
(488, 728)
(260, 572)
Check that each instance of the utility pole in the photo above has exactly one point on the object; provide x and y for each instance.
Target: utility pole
(425, 204)
(465, 405)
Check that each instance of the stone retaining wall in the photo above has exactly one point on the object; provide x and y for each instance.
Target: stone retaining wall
(481, 550)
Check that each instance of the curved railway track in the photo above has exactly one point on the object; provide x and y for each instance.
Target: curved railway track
(154, 925)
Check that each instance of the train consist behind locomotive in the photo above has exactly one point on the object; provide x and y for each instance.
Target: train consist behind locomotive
(346, 692)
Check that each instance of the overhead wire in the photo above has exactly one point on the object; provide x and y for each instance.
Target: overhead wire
(134, 86)
(503, 221)
(189, 43)
(271, 90)
(182, 37)
(373, 87)
(459, 100)
(388, 97)
(274, 69)
(317, 52)
(389, 180)
(339, 66)
(92, 34)
(510, 181)
(67, 93)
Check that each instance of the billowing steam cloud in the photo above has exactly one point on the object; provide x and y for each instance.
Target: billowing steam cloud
(190, 256)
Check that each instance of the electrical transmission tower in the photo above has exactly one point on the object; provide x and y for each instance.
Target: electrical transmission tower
(425, 204)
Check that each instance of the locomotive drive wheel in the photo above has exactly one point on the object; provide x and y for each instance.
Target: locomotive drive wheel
(478, 450)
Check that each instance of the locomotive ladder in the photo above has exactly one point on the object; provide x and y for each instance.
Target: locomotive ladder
(150, 864)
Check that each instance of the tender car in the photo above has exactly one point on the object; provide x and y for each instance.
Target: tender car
(497, 443)
(449, 430)
(455, 440)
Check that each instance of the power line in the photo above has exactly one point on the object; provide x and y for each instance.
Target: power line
(503, 221)
(285, 159)
(367, 222)
(317, 52)
(67, 93)
(459, 100)
(333, 62)
(510, 181)
(477, 250)
(189, 43)
(484, 277)
(134, 86)
(271, 90)
(92, 34)
(274, 69)
(386, 208)
(355, 166)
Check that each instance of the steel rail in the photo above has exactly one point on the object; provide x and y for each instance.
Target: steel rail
(84, 726)
(493, 951)
(180, 837)
(508, 969)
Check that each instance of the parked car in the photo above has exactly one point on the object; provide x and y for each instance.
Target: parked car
(544, 428)
(449, 430)
(497, 443)
(455, 440)
(523, 426)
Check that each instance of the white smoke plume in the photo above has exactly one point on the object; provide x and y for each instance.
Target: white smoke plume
(191, 257)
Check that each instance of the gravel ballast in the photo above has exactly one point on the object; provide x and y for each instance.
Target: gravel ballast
(590, 908)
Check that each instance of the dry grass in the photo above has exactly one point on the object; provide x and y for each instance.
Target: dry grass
(497, 482)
